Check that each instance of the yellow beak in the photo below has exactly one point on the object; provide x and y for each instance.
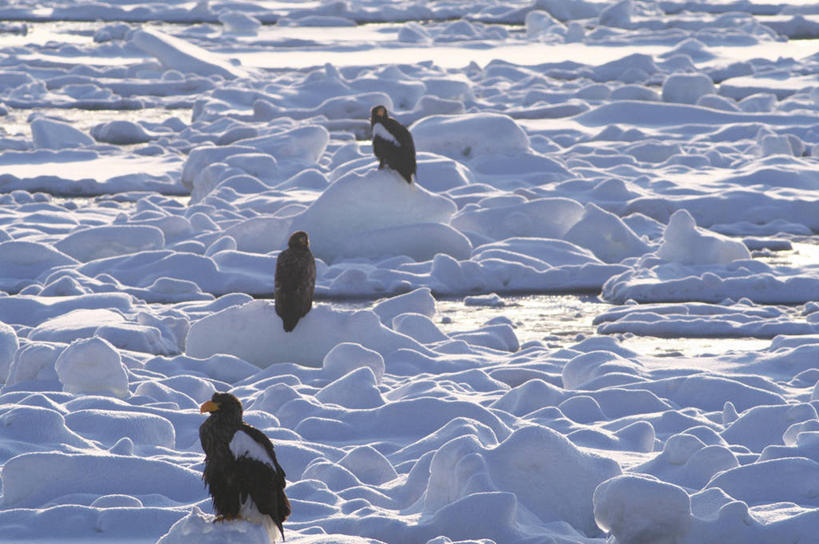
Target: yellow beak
(208, 406)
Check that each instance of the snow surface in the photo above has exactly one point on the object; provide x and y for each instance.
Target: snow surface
(656, 157)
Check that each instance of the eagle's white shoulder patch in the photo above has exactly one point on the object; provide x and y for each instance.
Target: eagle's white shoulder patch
(381, 131)
(242, 444)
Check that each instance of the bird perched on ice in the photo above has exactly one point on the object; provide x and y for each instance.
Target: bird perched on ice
(392, 143)
(295, 280)
(241, 471)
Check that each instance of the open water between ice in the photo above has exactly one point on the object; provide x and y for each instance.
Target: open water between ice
(564, 319)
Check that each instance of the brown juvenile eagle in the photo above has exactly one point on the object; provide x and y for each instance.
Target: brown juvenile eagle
(241, 471)
(392, 143)
(295, 280)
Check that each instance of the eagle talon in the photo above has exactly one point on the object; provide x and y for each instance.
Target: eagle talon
(221, 518)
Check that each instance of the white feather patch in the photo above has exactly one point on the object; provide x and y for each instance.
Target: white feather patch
(243, 444)
(381, 131)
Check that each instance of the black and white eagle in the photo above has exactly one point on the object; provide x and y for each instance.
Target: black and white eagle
(295, 280)
(392, 143)
(241, 471)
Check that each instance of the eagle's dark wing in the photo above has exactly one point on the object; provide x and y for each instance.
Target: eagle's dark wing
(295, 282)
(402, 134)
(401, 159)
(219, 473)
(259, 474)
(382, 148)
(223, 486)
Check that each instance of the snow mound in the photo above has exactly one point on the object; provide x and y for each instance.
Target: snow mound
(33, 479)
(254, 332)
(684, 243)
(357, 389)
(142, 429)
(256, 162)
(793, 479)
(439, 174)
(120, 132)
(761, 426)
(418, 326)
(181, 55)
(687, 461)
(236, 22)
(348, 356)
(378, 214)
(540, 22)
(256, 235)
(501, 337)
(108, 241)
(24, 260)
(634, 68)
(109, 325)
(687, 88)
(34, 424)
(640, 509)
(419, 301)
(470, 135)
(536, 251)
(188, 272)
(529, 461)
(9, 344)
(92, 366)
(540, 218)
(302, 144)
(725, 320)
(51, 134)
(419, 241)
(530, 396)
(199, 527)
(586, 367)
(369, 465)
(606, 235)
(197, 163)
(34, 361)
(497, 521)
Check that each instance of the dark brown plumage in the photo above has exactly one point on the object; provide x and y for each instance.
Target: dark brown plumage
(241, 471)
(295, 280)
(392, 143)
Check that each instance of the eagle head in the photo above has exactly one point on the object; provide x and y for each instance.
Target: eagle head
(298, 239)
(223, 406)
(377, 114)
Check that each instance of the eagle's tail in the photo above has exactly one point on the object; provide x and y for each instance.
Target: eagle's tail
(289, 324)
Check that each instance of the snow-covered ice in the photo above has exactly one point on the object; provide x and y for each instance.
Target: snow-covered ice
(656, 161)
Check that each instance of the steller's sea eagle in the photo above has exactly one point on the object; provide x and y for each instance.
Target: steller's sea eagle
(295, 280)
(241, 471)
(392, 143)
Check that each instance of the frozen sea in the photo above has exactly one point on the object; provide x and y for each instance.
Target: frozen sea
(593, 319)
